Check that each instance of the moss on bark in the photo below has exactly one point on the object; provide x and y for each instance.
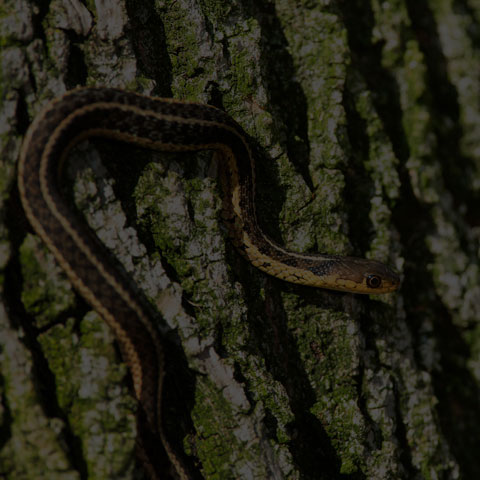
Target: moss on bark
(366, 116)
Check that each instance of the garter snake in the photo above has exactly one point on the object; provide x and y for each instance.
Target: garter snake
(166, 125)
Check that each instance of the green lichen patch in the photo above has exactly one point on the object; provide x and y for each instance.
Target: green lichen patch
(60, 346)
(185, 35)
(182, 210)
(31, 441)
(223, 445)
(164, 211)
(381, 163)
(271, 394)
(242, 69)
(329, 347)
(91, 391)
(46, 291)
(16, 22)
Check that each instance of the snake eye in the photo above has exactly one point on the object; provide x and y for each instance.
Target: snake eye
(374, 281)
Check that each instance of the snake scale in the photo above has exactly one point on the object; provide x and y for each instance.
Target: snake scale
(166, 125)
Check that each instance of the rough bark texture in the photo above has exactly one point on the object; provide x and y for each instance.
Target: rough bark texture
(367, 112)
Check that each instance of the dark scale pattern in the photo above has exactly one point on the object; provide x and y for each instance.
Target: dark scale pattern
(290, 261)
(323, 268)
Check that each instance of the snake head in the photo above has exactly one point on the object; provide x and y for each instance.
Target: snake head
(366, 276)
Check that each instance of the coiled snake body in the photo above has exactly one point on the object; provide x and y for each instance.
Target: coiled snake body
(166, 125)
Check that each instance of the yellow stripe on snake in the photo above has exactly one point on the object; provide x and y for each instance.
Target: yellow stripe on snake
(165, 125)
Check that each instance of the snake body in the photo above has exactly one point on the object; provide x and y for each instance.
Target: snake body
(166, 125)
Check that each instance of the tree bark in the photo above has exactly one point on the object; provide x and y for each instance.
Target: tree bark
(367, 117)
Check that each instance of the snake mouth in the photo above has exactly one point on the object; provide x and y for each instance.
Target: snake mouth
(387, 288)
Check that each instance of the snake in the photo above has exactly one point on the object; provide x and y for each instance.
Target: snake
(173, 126)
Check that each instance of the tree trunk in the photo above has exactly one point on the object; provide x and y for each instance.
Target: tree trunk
(367, 117)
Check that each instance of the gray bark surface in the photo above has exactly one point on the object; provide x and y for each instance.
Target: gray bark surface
(367, 113)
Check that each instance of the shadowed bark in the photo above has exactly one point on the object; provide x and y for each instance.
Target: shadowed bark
(366, 114)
